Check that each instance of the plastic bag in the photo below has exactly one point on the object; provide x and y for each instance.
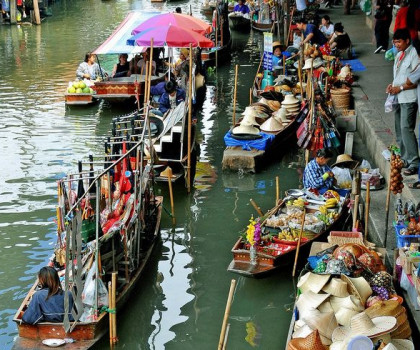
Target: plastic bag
(343, 177)
(365, 165)
(390, 103)
(89, 290)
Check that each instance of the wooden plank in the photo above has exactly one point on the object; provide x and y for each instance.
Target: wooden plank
(348, 146)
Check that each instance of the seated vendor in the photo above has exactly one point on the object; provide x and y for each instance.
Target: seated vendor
(159, 89)
(89, 69)
(241, 7)
(340, 42)
(172, 97)
(47, 304)
(278, 54)
(122, 68)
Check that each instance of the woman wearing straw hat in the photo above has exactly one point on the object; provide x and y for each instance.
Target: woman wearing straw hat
(278, 54)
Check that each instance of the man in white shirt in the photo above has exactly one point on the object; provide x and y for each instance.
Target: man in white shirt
(406, 110)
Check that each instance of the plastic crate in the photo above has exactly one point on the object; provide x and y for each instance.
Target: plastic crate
(405, 240)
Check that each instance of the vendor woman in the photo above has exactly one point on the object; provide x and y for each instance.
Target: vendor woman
(47, 304)
(278, 54)
(317, 174)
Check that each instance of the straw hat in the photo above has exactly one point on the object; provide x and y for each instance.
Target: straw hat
(290, 100)
(362, 324)
(281, 115)
(358, 342)
(325, 307)
(249, 115)
(345, 159)
(359, 287)
(185, 52)
(245, 129)
(337, 288)
(274, 105)
(293, 108)
(312, 341)
(271, 125)
(313, 282)
(276, 43)
(302, 332)
(385, 308)
(402, 332)
(325, 323)
(344, 315)
(309, 300)
(350, 302)
(165, 173)
(399, 344)
(308, 63)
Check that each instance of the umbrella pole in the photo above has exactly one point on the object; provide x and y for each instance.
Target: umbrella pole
(234, 96)
(189, 125)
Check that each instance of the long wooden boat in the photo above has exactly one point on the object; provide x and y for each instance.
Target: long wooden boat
(133, 219)
(271, 256)
(239, 22)
(263, 27)
(79, 99)
(218, 55)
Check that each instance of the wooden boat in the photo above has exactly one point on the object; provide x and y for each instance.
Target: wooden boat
(216, 55)
(264, 27)
(79, 99)
(135, 221)
(239, 22)
(270, 256)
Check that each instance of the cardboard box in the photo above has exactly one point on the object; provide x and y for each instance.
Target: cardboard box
(347, 121)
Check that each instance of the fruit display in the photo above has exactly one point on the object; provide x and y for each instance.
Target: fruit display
(311, 51)
(288, 235)
(79, 87)
(397, 163)
(300, 202)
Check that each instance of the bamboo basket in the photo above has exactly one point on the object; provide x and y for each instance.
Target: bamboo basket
(340, 98)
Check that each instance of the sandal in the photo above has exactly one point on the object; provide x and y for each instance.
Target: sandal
(410, 171)
(415, 185)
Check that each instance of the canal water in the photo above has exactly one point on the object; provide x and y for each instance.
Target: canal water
(181, 299)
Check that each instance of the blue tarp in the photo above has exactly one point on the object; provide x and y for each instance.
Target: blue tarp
(355, 65)
(261, 144)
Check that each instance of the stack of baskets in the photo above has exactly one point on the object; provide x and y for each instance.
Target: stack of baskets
(340, 98)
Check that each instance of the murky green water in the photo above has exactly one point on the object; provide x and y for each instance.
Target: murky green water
(181, 299)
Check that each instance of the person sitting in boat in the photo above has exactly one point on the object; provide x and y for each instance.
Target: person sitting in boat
(142, 63)
(311, 33)
(47, 304)
(241, 7)
(278, 54)
(340, 42)
(122, 68)
(171, 98)
(158, 90)
(89, 69)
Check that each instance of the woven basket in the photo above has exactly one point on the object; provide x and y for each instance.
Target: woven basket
(340, 98)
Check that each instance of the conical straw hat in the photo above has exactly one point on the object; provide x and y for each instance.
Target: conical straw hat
(358, 287)
(344, 316)
(313, 282)
(325, 307)
(310, 300)
(271, 125)
(165, 173)
(362, 324)
(350, 302)
(281, 115)
(345, 158)
(325, 323)
(290, 100)
(312, 341)
(249, 120)
(337, 288)
(245, 129)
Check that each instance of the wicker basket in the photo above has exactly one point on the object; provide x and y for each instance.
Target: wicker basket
(340, 98)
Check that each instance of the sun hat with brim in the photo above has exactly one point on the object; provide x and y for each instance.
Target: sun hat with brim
(324, 322)
(276, 43)
(402, 332)
(290, 100)
(248, 120)
(400, 344)
(280, 115)
(350, 302)
(274, 105)
(362, 324)
(385, 308)
(336, 287)
(310, 300)
(271, 125)
(345, 160)
(308, 63)
(250, 111)
(344, 315)
(293, 109)
(359, 287)
(312, 341)
(313, 282)
(245, 129)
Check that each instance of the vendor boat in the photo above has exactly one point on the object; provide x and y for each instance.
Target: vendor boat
(79, 99)
(237, 21)
(264, 27)
(272, 254)
(120, 243)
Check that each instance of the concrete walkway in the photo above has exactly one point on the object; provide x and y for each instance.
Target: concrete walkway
(375, 128)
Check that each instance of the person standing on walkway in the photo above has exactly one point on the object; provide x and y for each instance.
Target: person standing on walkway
(405, 63)
(383, 16)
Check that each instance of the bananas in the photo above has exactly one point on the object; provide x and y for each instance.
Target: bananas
(331, 203)
(288, 235)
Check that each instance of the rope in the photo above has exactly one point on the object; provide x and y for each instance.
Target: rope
(106, 309)
(167, 211)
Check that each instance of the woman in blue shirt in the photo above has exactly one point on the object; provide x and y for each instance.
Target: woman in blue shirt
(241, 7)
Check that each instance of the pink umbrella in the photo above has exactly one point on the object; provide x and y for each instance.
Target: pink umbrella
(174, 19)
(169, 35)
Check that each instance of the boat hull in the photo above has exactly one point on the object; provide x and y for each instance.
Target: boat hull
(79, 99)
(239, 23)
(208, 56)
(263, 27)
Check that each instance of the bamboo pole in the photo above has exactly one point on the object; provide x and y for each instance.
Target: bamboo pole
(171, 195)
(227, 311)
(256, 207)
(234, 95)
(367, 207)
(299, 242)
(250, 96)
(326, 86)
(277, 190)
(114, 307)
(388, 197)
(37, 17)
(300, 77)
(355, 210)
(284, 65)
(189, 125)
(111, 335)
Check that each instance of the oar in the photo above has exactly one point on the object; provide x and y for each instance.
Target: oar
(189, 124)
(256, 207)
(355, 211)
(367, 207)
(227, 311)
(299, 241)
(277, 190)
(171, 195)
(234, 96)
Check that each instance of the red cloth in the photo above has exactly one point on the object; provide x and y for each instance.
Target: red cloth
(401, 21)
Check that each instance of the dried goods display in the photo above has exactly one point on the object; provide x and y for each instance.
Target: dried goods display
(396, 178)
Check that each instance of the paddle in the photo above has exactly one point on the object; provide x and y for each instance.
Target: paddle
(299, 242)
(227, 311)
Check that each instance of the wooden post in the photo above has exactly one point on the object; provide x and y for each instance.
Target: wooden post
(37, 17)
(277, 190)
(300, 77)
(12, 10)
(256, 207)
(388, 198)
(111, 336)
(367, 207)
(284, 65)
(299, 241)
(234, 96)
(189, 125)
(171, 195)
(227, 312)
(114, 307)
(355, 210)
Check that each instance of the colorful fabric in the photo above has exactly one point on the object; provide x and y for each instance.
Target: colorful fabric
(312, 176)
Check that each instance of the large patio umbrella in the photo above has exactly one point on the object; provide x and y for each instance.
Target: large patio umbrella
(174, 19)
(171, 36)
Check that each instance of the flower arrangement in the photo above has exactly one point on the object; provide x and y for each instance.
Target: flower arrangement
(253, 232)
